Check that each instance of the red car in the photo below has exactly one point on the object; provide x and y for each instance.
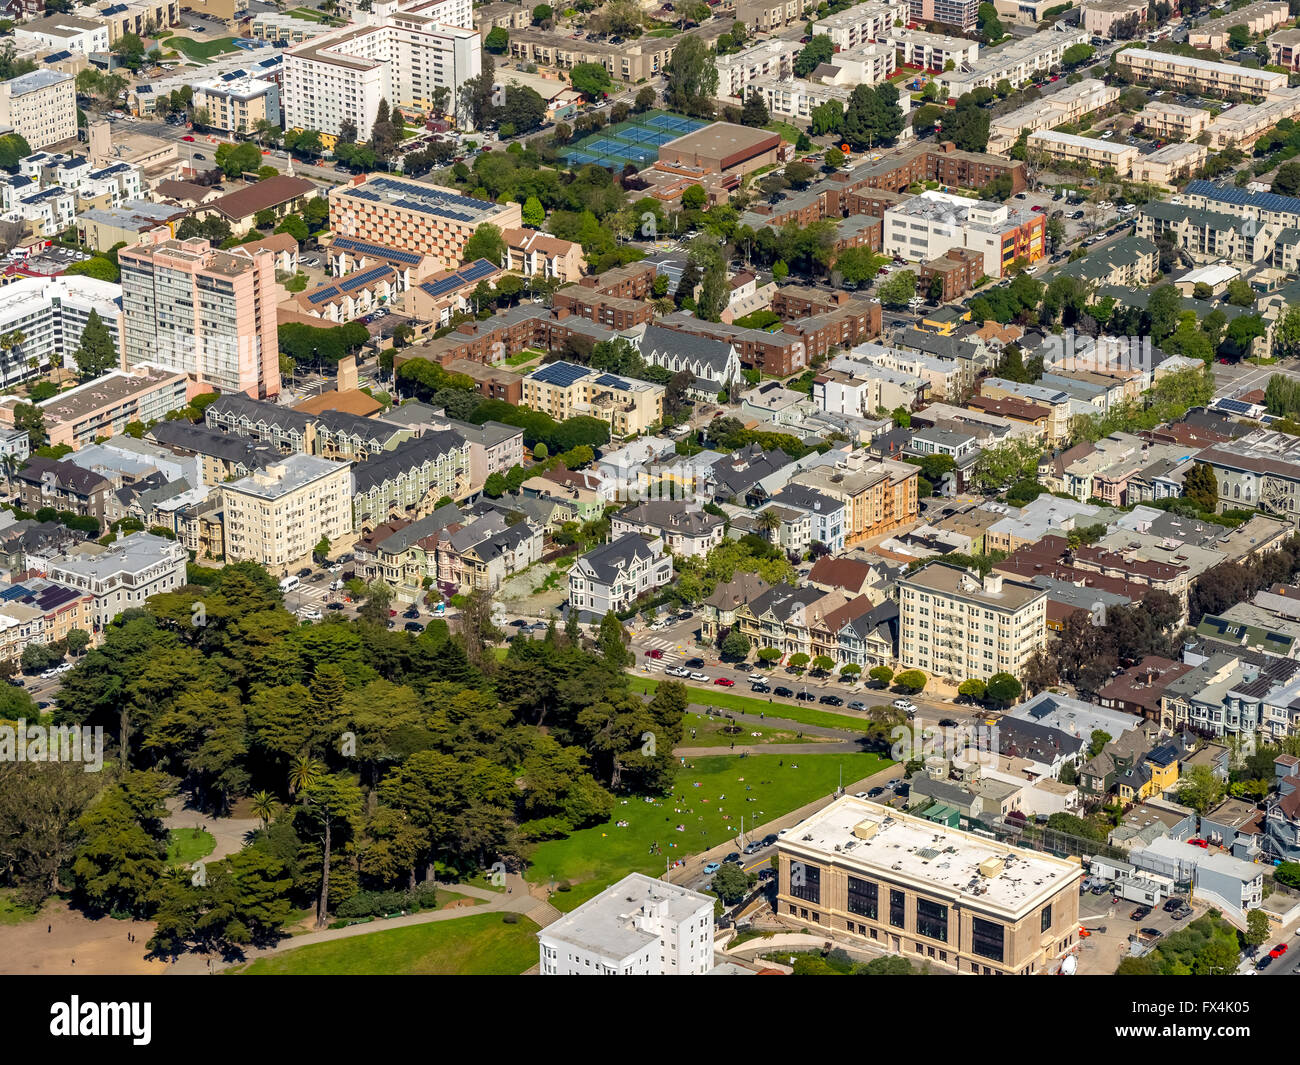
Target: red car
(188, 138)
(1277, 951)
(1199, 843)
(654, 653)
(1037, 207)
(726, 682)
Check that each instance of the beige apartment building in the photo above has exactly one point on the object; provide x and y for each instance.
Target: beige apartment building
(954, 625)
(41, 106)
(1068, 104)
(1258, 18)
(1091, 151)
(238, 105)
(1190, 72)
(629, 62)
(770, 14)
(414, 216)
(1103, 18)
(1167, 166)
(1174, 120)
(276, 516)
(865, 874)
(565, 390)
(141, 18)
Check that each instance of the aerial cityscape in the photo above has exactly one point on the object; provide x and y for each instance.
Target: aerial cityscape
(746, 487)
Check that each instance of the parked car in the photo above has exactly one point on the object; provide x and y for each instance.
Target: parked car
(857, 704)
(1139, 914)
(726, 682)
(1277, 951)
(694, 663)
(413, 626)
(1149, 933)
(677, 671)
(1198, 842)
(700, 677)
(806, 697)
(859, 794)
(757, 678)
(831, 700)
(769, 839)
(753, 847)
(1173, 904)
(712, 868)
(187, 137)
(874, 792)
(761, 689)
(1263, 963)
(304, 573)
(413, 612)
(519, 623)
(784, 692)
(904, 705)
(1099, 888)
(733, 857)
(654, 652)
(947, 722)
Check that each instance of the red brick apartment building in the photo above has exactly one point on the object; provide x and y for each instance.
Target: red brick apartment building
(614, 312)
(959, 269)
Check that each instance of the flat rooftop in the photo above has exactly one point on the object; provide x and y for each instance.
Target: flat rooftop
(417, 196)
(723, 139)
(607, 924)
(941, 861)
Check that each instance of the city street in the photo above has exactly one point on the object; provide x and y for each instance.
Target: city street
(677, 646)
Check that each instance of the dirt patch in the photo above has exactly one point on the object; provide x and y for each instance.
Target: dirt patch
(64, 942)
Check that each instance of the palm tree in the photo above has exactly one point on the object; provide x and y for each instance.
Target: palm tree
(769, 521)
(304, 772)
(10, 464)
(264, 807)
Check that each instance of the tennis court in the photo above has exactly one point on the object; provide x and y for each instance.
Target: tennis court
(636, 141)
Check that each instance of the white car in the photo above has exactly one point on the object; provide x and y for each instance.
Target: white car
(64, 667)
(311, 615)
(757, 678)
(701, 677)
(49, 673)
(905, 706)
(1128, 208)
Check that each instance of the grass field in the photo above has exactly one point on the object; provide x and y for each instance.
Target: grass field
(746, 704)
(476, 945)
(188, 845)
(787, 131)
(710, 799)
(202, 50)
(11, 912)
(709, 733)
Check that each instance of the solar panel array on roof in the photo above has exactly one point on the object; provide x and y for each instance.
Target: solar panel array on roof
(1267, 201)
(476, 270)
(324, 294)
(560, 374)
(366, 248)
(610, 380)
(1233, 406)
(365, 278)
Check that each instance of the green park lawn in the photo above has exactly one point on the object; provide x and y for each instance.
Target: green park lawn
(745, 704)
(709, 732)
(202, 50)
(186, 845)
(778, 784)
(475, 945)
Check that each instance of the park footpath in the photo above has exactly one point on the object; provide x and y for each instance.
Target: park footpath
(519, 897)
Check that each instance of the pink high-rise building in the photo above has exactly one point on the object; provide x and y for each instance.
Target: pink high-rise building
(207, 313)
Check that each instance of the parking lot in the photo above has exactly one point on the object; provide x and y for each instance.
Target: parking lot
(1112, 928)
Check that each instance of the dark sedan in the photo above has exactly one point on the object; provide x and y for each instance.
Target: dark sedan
(831, 700)
(785, 693)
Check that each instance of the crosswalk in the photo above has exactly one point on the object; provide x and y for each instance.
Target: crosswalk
(673, 653)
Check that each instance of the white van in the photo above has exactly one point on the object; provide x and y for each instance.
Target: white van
(288, 584)
(336, 584)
